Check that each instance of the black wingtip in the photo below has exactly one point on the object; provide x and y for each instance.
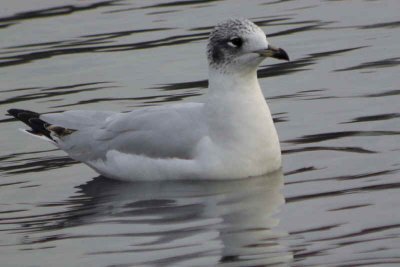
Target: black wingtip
(14, 112)
(40, 127)
(17, 112)
(31, 119)
(23, 115)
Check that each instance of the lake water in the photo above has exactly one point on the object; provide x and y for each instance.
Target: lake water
(336, 106)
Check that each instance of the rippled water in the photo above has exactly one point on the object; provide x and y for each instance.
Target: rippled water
(336, 107)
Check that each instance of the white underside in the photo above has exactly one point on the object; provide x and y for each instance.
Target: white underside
(203, 166)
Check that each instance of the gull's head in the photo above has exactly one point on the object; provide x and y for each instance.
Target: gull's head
(238, 45)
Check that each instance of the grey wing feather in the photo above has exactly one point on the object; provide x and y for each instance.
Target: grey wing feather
(166, 131)
(77, 119)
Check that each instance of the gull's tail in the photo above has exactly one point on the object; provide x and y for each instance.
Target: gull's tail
(39, 128)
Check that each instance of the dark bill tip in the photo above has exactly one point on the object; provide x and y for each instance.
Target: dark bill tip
(279, 53)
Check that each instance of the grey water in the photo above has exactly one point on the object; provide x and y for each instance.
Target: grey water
(335, 104)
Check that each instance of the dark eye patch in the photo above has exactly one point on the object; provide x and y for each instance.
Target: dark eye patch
(236, 42)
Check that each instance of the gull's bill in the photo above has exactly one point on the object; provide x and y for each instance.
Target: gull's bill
(274, 52)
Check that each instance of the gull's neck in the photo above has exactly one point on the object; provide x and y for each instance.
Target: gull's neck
(232, 82)
(236, 107)
(239, 120)
(229, 92)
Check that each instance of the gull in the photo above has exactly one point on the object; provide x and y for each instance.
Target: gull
(230, 136)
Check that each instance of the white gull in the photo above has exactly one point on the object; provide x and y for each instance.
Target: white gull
(230, 136)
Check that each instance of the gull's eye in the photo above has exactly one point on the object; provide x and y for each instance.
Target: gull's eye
(235, 42)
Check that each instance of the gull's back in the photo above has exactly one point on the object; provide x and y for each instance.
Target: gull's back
(169, 131)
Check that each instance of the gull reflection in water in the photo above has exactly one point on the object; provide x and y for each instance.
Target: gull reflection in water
(175, 223)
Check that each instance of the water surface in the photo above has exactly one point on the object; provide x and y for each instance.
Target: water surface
(336, 107)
